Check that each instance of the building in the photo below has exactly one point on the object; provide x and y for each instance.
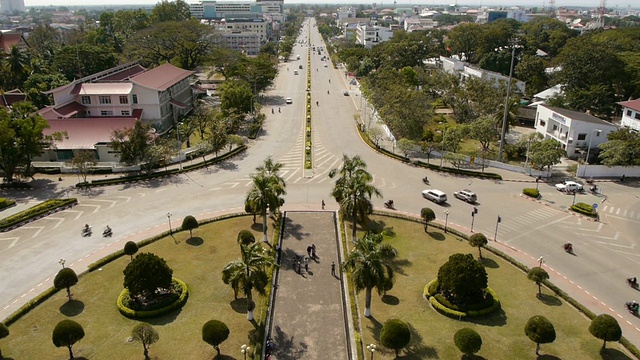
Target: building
(9, 39)
(465, 71)
(630, 114)
(576, 131)
(419, 24)
(8, 98)
(345, 12)
(370, 36)
(12, 6)
(244, 27)
(245, 42)
(218, 10)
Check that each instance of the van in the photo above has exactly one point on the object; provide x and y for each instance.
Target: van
(466, 195)
(434, 195)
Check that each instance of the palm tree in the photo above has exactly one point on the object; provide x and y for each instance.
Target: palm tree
(266, 192)
(353, 189)
(370, 266)
(248, 273)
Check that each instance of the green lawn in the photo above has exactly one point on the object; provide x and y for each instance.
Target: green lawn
(198, 263)
(419, 257)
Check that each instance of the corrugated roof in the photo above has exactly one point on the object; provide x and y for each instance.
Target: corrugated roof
(161, 77)
(576, 115)
(84, 133)
(103, 89)
(631, 104)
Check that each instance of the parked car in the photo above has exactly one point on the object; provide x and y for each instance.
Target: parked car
(434, 195)
(569, 186)
(466, 195)
(288, 101)
(345, 93)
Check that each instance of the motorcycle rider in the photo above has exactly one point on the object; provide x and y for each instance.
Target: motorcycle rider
(87, 228)
(568, 247)
(633, 281)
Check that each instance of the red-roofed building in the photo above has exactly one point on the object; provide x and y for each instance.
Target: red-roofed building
(8, 39)
(631, 114)
(7, 99)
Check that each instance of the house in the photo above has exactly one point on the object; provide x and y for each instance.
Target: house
(8, 98)
(464, 71)
(630, 114)
(8, 39)
(543, 96)
(370, 36)
(576, 131)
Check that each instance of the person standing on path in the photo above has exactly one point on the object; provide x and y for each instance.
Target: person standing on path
(313, 251)
(333, 268)
(309, 250)
(322, 204)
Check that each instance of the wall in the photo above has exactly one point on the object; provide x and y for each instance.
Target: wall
(601, 171)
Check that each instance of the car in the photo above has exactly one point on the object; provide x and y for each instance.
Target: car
(345, 93)
(434, 195)
(569, 186)
(466, 195)
(295, 72)
(325, 64)
(299, 66)
(288, 101)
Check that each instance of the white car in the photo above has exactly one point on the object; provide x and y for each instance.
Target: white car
(288, 101)
(569, 186)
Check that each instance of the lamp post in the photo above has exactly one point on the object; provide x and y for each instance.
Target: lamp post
(473, 216)
(540, 261)
(446, 220)
(372, 348)
(169, 217)
(444, 131)
(495, 236)
(62, 262)
(586, 161)
(179, 143)
(244, 349)
(506, 104)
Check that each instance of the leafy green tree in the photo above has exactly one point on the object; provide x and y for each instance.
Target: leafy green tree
(83, 162)
(353, 189)
(468, 341)
(545, 153)
(375, 134)
(37, 83)
(248, 273)
(157, 155)
(130, 248)
(464, 40)
(484, 131)
(236, 97)
(79, 60)
(549, 35)
(146, 273)
(267, 191)
(462, 279)
(395, 334)
(245, 237)
(166, 10)
(16, 66)
(146, 335)
(606, 328)
(4, 332)
(621, 149)
(540, 331)
(530, 69)
(478, 240)
(214, 333)
(427, 215)
(132, 143)
(65, 279)
(370, 266)
(406, 146)
(190, 223)
(250, 208)
(67, 333)
(44, 42)
(538, 275)
(217, 132)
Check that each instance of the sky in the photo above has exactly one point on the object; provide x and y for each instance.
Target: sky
(620, 4)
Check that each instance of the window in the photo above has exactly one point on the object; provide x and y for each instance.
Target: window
(125, 113)
(86, 100)
(637, 115)
(628, 113)
(582, 137)
(106, 113)
(134, 97)
(543, 123)
(124, 99)
(105, 99)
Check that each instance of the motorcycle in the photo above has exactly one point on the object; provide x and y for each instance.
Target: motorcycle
(425, 180)
(389, 205)
(632, 282)
(86, 231)
(568, 248)
(594, 190)
(632, 306)
(107, 232)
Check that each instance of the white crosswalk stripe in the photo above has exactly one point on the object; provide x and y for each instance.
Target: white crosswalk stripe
(619, 212)
(520, 222)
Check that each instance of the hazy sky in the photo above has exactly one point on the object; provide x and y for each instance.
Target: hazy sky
(621, 4)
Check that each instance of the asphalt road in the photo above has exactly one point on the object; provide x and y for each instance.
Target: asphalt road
(605, 253)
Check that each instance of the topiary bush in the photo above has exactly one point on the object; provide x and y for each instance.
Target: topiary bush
(468, 341)
(534, 193)
(147, 273)
(246, 237)
(67, 333)
(584, 209)
(463, 280)
(189, 223)
(124, 300)
(395, 334)
(214, 333)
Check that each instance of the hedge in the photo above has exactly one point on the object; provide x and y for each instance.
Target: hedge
(15, 185)
(5, 203)
(445, 310)
(35, 211)
(534, 193)
(584, 209)
(142, 314)
(24, 309)
(488, 306)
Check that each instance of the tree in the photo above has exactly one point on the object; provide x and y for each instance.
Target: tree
(484, 131)
(67, 333)
(606, 328)
(405, 145)
(65, 279)
(157, 154)
(427, 216)
(462, 279)
(236, 97)
(250, 208)
(37, 83)
(353, 189)
(214, 333)
(395, 334)
(145, 334)
(190, 223)
(248, 273)
(540, 331)
(545, 153)
(146, 273)
(245, 237)
(530, 69)
(217, 132)
(370, 265)
(375, 134)
(538, 275)
(478, 240)
(82, 59)
(621, 149)
(4, 332)
(234, 140)
(132, 143)
(267, 191)
(166, 10)
(83, 162)
(468, 341)
(130, 248)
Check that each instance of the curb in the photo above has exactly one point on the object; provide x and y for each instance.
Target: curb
(567, 211)
(38, 217)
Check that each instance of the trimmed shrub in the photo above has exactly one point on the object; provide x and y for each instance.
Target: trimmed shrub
(530, 192)
(584, 209)
(67, 333)
(144, 314)
(146, 273)
(395, 334)
(605, 327)
(35, 211)
(5, 203)
(468, 341)
(65, 279)
(245, 237)
(190, 223)
(445, 310)
(130, 248)
(214, 333)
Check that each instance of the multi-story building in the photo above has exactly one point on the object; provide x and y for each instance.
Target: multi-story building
(243, 26)
(369, 36)
(217, 10)
(12, 6)
(465, 71)
(630, 114)
(245, 42)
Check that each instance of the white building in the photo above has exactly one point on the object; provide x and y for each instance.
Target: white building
(465, 71)
(12, 6)
(346, 12)
(419, 24)
(370, 36)
(244, 26)
(576, 131)
(631, 114)
(211, 9)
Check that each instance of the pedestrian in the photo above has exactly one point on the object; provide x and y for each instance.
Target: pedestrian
(333, 269)
(306, 264)
(322, 204)
(309, 250)
(313, 251)
(293, 262)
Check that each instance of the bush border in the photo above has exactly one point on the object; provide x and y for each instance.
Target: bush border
(145, 314)
(35, 212)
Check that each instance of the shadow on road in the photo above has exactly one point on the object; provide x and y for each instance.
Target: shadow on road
(286, 346)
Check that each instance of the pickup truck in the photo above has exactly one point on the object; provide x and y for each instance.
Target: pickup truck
(569, 186)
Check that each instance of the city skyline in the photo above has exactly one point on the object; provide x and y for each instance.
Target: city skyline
(587, 4)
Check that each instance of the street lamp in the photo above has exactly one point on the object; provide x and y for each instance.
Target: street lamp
(446, 220)
(540, 261)
(473, 216)
(61, 262)
(495, 236)
(251, 103)
(169, 217)
(586, 161)
(372, 348)
(179, 143)
(506, 104)
(244, 349)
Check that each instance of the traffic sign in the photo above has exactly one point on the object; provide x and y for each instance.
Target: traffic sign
(595, 206)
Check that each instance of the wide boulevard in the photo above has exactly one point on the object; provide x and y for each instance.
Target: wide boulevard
(605, 252)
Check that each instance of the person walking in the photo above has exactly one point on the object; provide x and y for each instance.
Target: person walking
(309, 250)
(333, 269)
(322, 204)
(313, 251)
(306, 264)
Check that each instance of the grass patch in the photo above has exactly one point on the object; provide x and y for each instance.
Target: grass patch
(419, 257)
(197, 263)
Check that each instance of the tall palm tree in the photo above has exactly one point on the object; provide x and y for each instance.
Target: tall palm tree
(248, 273)
(267, 191)
(353, 189)
(370, 266)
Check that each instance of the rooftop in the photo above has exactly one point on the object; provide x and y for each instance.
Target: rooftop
(85, 133)
(631, 104)
(161, 77)
(576, 115)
